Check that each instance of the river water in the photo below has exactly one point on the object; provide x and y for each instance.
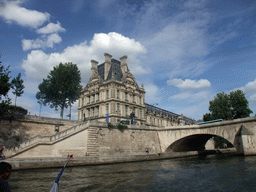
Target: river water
(209, 173)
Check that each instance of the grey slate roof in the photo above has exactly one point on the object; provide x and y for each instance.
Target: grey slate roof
(151, 108)
(115, 68)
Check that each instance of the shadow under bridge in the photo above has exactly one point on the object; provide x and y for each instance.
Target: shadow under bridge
(191, 143)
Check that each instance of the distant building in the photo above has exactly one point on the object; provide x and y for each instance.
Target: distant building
(112, 94)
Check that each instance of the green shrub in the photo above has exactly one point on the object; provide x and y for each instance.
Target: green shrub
(121, 127)
(17, 110)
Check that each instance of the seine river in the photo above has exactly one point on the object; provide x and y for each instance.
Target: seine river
(210, 173)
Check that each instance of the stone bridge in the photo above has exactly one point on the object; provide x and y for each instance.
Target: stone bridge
(96, 139)
(240, 133)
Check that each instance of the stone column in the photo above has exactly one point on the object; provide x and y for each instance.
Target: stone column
(107, 64)
(94, 67)
(123, 64)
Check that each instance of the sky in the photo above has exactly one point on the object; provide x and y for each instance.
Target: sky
(184, 52)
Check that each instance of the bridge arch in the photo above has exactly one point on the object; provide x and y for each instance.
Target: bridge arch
(195, 142)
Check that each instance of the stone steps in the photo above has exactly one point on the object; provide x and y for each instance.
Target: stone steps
(92, 144)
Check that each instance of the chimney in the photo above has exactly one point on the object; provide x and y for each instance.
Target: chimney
(124, 64)
(94, 66)
(107, 64)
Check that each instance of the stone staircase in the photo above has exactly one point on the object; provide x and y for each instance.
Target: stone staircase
(92, 144)
(49, 140)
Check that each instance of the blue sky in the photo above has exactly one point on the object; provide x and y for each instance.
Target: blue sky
(184, 52)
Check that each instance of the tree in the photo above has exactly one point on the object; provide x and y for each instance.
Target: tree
(221, 107)
(40, 101)
(232, 106)
(5, 86)
(207, 117)
(61, 88)
(239, 105)
(18, 87)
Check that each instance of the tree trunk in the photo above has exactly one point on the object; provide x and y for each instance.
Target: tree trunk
(62, 111)
(70, 111)
(15, 101)
(40, 109)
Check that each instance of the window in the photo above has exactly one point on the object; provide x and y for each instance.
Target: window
(107, 94)
(126, 110)
(106, 108)
(117, 94)
(126, 97)
(140, 100)
(82, 101)
(98, 110)
(93, 111)
(82, 115)
(133, 98)
(117, 108)
(93, 98)
(88, 113)
(89, 99)
(140, 113)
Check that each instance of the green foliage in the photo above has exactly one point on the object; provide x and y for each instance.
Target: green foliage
(239, 104)
(221, 107)
(5, 86)
(110, 126)
(18, 110)
(207, 117)
(232, 106)
(119, 126)
(62, 87)
(17, 86)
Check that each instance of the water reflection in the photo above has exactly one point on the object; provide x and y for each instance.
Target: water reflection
(210, 173)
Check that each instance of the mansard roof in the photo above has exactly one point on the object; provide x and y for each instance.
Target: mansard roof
(115, 69)
(152, 108)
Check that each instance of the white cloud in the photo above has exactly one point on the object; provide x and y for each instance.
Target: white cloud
(51, 28)
(190, 84)
(38, 64)
(52, 39)
(152, 93)
(191, 96)
(43, 42)
(13, 12)
(32, 44)
(250, 91)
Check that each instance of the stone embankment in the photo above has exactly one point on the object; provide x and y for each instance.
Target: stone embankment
(36, 163)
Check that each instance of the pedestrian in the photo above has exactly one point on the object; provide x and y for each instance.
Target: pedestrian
(71, 156)
(147, 150)
(68, 156)
(5, 172)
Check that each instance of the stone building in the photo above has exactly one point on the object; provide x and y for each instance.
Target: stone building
(112, 94)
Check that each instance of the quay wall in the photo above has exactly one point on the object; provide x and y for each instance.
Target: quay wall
(38, 163)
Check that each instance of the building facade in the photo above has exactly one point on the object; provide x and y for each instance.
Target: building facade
(112, 94)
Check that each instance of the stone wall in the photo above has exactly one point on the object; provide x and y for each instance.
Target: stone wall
(130, 141)
(43, 126)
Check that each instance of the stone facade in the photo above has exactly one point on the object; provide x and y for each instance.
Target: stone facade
(113, 91)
